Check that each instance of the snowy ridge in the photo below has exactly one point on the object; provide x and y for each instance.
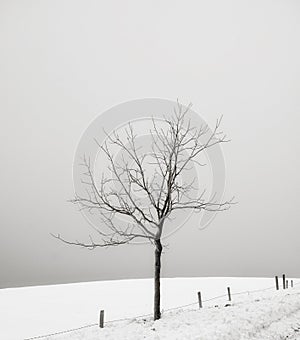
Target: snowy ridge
(257, 310)
(257, 316)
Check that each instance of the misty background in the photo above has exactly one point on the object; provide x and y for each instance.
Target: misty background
(62, 63)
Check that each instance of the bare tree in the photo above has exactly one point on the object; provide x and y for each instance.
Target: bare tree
(156, 177)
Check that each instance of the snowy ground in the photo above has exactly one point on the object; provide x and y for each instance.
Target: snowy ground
(268, 314)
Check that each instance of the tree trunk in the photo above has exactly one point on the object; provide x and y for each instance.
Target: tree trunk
(158, 250)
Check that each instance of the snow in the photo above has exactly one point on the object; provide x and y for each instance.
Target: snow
(268, 314)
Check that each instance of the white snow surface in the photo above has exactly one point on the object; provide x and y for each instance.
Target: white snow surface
(266, 314)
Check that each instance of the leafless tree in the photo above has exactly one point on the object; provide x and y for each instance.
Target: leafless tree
(155, 176)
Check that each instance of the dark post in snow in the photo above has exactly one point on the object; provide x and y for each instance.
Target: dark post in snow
(287, 284)
(277, 283)
(101, 323)
(283, 281)
(229, 294)
(292, 283)
(199, 299)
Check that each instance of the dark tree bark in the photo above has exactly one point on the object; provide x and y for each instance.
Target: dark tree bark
(158, 251)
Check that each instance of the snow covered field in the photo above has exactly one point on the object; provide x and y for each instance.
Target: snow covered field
(268, 314)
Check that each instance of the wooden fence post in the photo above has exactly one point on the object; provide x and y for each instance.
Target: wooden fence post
(101, 323)
(229, 294)
(287, 284)
(292, 283)
(199, 299)
(276, 282)
(283, 281)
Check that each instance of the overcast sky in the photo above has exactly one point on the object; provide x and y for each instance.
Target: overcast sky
(64, 62)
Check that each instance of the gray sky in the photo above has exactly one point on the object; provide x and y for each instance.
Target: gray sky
(64, 62)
